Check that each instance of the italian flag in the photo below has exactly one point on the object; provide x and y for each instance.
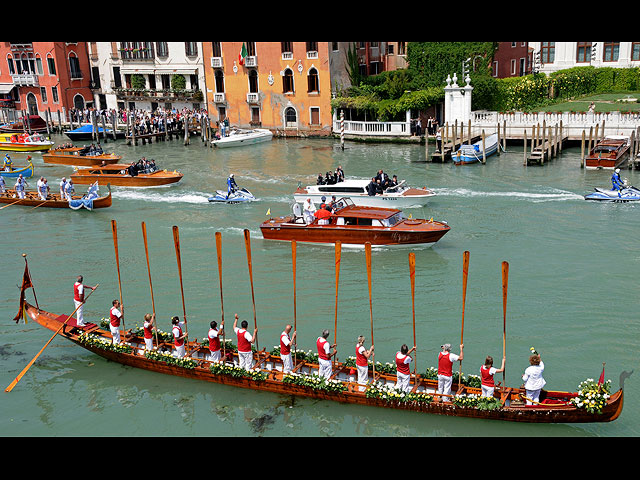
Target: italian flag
(242, 54)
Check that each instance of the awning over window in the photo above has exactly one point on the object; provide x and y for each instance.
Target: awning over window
(6, 88)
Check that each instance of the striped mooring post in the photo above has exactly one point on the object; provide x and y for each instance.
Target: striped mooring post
(342, 129)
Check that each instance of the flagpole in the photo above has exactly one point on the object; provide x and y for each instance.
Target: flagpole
(31, 281)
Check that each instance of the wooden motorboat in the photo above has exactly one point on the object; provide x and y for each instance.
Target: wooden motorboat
(32, 199)
(352, 224)
(267, 376)
(398, 197)
(26, 172)
(118, 174)
(473, 153)
(23, 142)
(609, 153)
(78, 156)
(239, 137)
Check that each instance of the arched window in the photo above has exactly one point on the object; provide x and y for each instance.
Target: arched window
(78, 102)
(312, 80)
(287, 81)
(12, 69)
(32, 104)
(290, 117)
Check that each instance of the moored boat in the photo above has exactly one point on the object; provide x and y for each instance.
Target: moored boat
(26, 172)
(33, 123)
(118, 174)
(396, 197)
(473, 153)
(78, 156)
(239, 137)
(85, 132)
(611, 152)
(32, 199)
(23, 142)
(353, 224)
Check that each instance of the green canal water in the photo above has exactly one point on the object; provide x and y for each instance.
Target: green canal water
(573, 281)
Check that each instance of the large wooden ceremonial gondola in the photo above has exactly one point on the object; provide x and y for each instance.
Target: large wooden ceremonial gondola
(267, 375)
(32, 199)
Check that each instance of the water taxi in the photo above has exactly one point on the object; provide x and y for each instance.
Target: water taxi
(78, 156)
(23, 142)
(119, 175)
(609, 153)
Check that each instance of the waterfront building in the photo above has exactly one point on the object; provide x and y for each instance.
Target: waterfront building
(550, 57)
(511, 59)
(282, 86)
(36, 77)
(147, 75)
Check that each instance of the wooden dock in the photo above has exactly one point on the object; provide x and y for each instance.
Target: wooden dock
(546, 143)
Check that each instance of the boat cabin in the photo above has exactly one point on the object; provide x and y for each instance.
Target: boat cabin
(347, 214)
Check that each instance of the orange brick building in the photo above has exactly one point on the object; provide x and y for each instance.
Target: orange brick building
(282, 86)
(40, 76)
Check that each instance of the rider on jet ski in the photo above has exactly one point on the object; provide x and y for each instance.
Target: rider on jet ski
(231, 185)
(616, 181)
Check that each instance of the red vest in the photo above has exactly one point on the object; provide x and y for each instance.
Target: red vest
(177, 343)
(243, 345)
(444, 364)
(487, 378)
(147, 330)
(284, 349)
(214, 342)
(320, 344)
(115, 321)
(400, 365)
(76, 293)
(361, 360)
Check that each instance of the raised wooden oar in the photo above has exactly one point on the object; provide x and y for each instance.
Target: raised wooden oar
(153, 305)
(114, 230)
(247, 244)
(338, 256)
(505, 284)
(19, 377)
(176, 242)
(465, 275)
(295, 309)
(367, 250)
(412, 276)
(219, 251)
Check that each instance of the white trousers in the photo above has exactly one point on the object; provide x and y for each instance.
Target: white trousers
(287, 363)
(79, 317)
(245, 360)
(363, 376)
(533, 395)
(148, 343)
(115, 333)
(444, 384)
(180, 351)
(214, 356)
(487, 391)
(402, 381)
(325, 368)
(20, 193)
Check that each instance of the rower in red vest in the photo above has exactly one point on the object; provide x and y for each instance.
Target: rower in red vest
(285, 349)
(147, 326)
(445, 370)
(178, 336)
(245, 340)
(115, 315)
(487, 371)
(214, 340)
(403, 373)
(362, 362)
(78, 299)
(324, 355)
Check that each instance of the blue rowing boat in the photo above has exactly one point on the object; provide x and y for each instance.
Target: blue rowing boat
(473, 153)
(27, 172)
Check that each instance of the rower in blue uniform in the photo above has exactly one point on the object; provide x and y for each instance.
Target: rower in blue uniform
(231, 185)
(8, 164)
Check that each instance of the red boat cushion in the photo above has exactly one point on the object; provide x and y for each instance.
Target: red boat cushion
(73, 322)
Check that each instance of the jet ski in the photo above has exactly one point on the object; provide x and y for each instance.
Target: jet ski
(241, 195)
(627, 194)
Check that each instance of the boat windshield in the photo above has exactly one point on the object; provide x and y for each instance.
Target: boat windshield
(393, 220)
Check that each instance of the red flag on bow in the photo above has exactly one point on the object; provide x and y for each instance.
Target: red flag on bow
(601, 380)
(26, 283)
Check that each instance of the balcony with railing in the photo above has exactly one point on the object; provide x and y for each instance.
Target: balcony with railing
(25, 79)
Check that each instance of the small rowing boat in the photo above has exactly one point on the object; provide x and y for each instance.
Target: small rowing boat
(78, 156)
(118, 174)
(354, 224)
(473, 153)
(23, 142)
(32, 199)
(26, 172)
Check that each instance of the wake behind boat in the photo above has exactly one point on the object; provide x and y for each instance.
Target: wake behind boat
(238, 137)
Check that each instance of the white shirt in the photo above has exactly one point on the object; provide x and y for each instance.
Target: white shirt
(284, 338)
(309, 206)
(247, 336)
(533, 377)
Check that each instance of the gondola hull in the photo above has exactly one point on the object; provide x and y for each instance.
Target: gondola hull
(271, 364)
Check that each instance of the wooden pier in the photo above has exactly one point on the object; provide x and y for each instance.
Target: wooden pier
(546, 143)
